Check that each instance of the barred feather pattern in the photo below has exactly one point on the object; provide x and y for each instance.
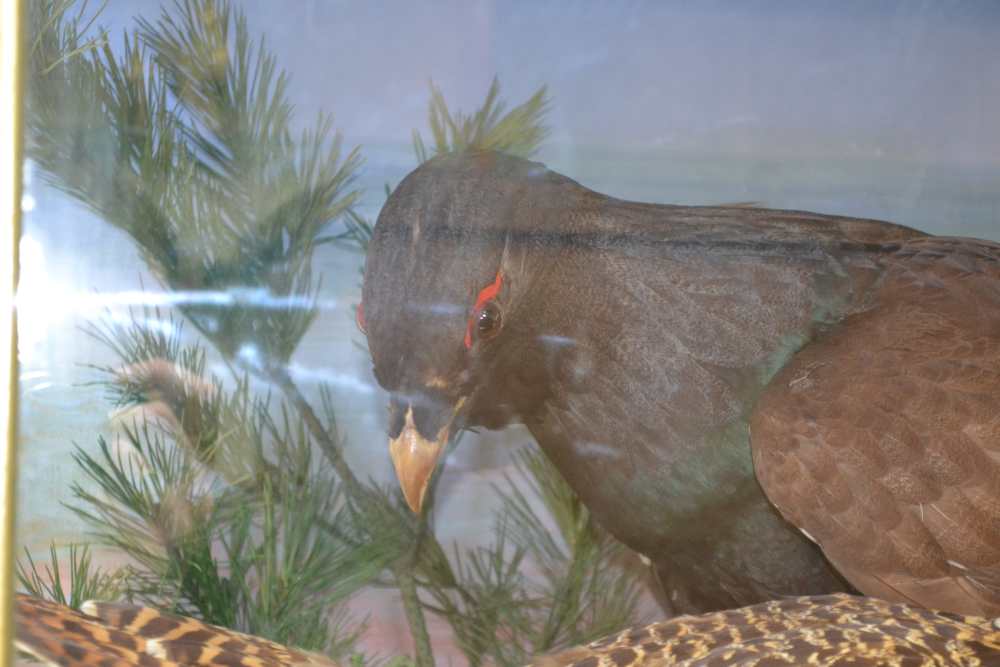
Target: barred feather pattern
(820, 631)
(117, 635)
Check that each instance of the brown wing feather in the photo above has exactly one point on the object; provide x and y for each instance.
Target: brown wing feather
(113, 635)
(823, 631)
(881, 440)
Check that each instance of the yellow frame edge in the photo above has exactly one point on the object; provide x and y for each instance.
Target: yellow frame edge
(11, 162)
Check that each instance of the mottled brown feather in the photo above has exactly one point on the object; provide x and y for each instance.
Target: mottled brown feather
(113, 635)
(821, 631)
(881, 439)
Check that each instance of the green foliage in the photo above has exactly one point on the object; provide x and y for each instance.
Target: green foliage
(590, 593)
(220, 503)
(182, 139)
(86, 582)
(584, 590)
(59, 37)
(151, 342)
(520, 132)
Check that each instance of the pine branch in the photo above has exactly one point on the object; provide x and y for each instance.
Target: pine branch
(219, 467)
(280, 574)
(588, 593)
(373, 511)
(224, 203)
(584, 592)
(519, 132)
(86, 582)
(424, 656)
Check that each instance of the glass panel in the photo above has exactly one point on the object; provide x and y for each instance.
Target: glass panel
(515, 415)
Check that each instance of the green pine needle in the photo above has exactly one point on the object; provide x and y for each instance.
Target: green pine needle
(519, 132)
(86, 581)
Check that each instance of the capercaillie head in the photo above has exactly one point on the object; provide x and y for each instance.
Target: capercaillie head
(451, 300)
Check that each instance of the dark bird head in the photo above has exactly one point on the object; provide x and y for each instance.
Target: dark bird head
(448, 301)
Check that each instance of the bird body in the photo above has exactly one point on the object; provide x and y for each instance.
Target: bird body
(823, 631)
(107, 634)
(882, 437)
(638, 344)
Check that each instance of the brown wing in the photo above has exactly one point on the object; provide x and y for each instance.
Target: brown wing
(881, 440)
(822, 631)
(117, 635)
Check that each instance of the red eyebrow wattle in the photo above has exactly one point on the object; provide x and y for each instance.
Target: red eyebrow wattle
(359, 317)
(486, 294)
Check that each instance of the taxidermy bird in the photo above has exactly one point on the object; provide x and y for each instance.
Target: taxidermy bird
(762, 402)
(821, 631)
(831, 630)
(117, 635)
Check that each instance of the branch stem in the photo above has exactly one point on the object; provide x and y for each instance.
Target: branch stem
(424, 655)
(403, 569)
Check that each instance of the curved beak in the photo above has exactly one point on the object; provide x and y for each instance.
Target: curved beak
(415, 458)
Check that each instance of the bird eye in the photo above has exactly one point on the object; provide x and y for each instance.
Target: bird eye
(488, 322)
